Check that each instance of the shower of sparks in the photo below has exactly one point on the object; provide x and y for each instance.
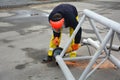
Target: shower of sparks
(83, 64)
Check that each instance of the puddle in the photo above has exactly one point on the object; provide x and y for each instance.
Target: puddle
(21, 66)
(35, 54)
(11, 46)
(6, 41)
(25, 13)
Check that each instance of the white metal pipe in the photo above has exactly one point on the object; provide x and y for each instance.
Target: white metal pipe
(113, 47)
(68, 75)
(118, 34)
(114, 60)
(89, 74)
(97, 33)
(85, 41)
(98, 52)
(72, 36)
(82, 58)
(93, 43)
(96, 44)
(95, 29)
(103, 20)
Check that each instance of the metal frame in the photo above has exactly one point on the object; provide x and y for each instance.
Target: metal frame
(112, 25)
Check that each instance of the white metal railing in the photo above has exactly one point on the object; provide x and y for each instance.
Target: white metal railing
(113, 26)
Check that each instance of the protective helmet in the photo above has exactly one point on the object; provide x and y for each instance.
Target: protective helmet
(57, 22)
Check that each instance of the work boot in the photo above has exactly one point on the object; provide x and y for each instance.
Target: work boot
(47, 59)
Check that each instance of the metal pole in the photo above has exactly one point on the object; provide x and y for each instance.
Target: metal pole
(82, 58)
(111, 58)
(92, 61)
(96, 67)
(97, 34)
(64, 68)
(95, 29)
(103, 20)
(93, 43)
(114, 47)
(73, 35)
(114, 60)
(118, 34)
(111, 41)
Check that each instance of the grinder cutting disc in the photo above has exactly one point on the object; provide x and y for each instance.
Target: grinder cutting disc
(57, 51)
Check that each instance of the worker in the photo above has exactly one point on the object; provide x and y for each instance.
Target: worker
(63, 16)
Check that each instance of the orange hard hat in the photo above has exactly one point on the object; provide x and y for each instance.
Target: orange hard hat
(57, 25)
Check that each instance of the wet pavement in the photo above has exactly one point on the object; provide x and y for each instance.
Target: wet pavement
(25, 18)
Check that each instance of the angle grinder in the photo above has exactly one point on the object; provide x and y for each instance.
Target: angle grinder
(57, 51)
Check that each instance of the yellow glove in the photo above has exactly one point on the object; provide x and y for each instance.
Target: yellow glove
(75, 46)
(56, 41)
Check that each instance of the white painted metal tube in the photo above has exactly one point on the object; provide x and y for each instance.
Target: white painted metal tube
(89, 74)
(96, 55)
(96, 44)
(114, 60)
(92, 23)
(97, 33)
(85, 41)
(114, 47)
(93, 43)
(68, 75)
(82, 58)
(73, 35)
(103, 20)
(118, 34)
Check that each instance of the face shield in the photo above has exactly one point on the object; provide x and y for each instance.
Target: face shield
(57, 25)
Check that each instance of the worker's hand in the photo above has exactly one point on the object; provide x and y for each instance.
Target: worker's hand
(69, 49)
(75, 46)
(56, 41)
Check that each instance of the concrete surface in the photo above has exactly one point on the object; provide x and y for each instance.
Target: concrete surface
(24, 42)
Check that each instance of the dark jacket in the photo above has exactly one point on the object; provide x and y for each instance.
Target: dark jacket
(69, 13)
